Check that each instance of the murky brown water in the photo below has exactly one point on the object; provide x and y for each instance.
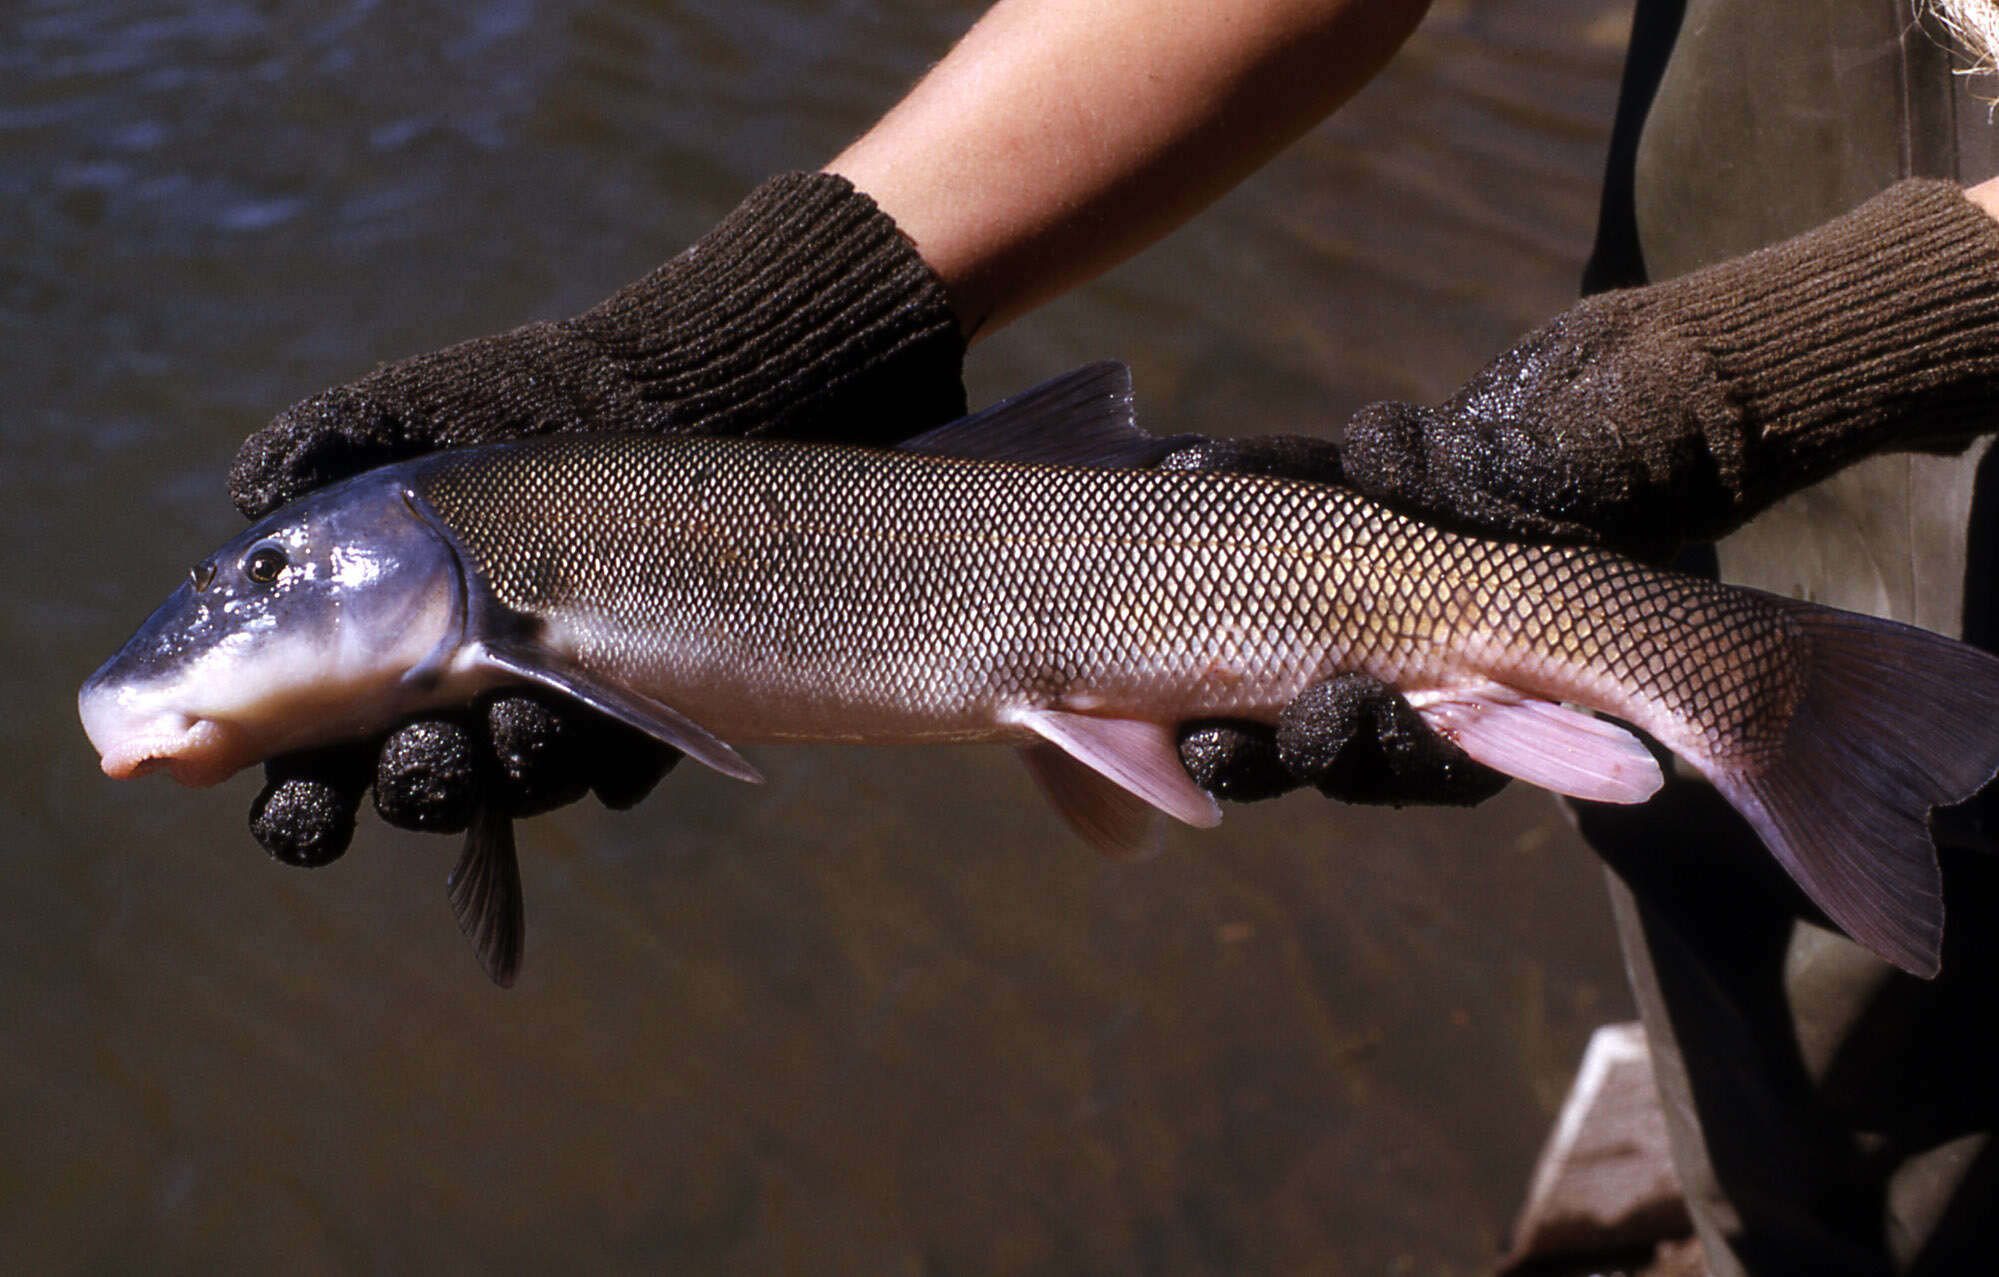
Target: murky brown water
(880, 1015)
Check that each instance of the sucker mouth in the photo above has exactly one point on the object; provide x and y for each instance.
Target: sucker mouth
(197, 753)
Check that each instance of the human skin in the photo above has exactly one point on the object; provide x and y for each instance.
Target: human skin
(1985, 195)
(1060, 137)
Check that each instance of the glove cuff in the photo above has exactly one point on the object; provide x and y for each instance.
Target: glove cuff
(806, 311)
(1879, 329)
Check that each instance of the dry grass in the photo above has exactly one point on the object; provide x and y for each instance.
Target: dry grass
(1973, 26)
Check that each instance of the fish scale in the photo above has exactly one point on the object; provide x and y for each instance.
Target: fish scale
(911, 590)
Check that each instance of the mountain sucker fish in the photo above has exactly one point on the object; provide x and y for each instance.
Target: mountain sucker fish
(1020, 576)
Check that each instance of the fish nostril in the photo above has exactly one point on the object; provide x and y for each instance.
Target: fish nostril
(200, 575)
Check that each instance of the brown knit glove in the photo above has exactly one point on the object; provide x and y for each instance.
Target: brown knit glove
(805, 313)
(1655, 416)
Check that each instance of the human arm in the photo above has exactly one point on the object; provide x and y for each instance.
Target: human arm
(1060, 137)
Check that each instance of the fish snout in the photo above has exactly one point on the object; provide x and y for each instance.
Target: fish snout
(133, 737)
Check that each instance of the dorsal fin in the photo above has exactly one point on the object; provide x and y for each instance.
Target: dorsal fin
(1082, 418)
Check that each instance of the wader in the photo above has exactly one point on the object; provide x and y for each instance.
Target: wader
(1829, 1114)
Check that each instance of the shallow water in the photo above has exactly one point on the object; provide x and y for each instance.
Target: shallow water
(882, 1014)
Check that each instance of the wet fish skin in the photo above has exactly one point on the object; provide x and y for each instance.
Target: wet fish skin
(969, 588)
(799, 592)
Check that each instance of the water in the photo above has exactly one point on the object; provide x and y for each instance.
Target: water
(880, 1015)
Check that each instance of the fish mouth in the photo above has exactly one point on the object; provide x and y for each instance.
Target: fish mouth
(197, 752)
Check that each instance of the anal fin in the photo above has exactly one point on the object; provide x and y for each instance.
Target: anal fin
(1544, 743)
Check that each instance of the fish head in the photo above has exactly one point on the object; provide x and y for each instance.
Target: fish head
(323, 622)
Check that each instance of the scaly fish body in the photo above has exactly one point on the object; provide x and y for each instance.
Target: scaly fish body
(1019, 577)
(792, 592)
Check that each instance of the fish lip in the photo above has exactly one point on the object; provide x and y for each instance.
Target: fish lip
(197, 752)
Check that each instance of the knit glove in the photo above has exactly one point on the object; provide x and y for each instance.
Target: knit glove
(1651, 417)
(805, 313)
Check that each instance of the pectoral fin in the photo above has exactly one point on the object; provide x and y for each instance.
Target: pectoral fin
(654, 718)
(1543, 743)
(1098, 771)
(486, 895)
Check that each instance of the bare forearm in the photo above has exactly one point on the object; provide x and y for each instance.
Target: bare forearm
(1062, 136)
(1986, 196)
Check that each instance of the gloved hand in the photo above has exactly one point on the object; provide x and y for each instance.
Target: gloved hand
(1650, 417)
(805, 313)
(1353, 736)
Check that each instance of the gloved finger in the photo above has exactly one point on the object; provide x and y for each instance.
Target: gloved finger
(1358, 740)
(626, 764)
(548, 756)
(541, 755)
(1502, 477)
(520, 751)
(1235, 761)
(305, 814)
(1282, 456)
(333, 435)
(428, 774)
(1450, 470)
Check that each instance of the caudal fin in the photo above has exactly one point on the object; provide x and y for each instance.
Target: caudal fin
(1893, 721)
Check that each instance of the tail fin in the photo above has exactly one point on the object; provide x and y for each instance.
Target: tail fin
(1894, 721)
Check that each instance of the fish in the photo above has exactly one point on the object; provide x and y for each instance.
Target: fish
(1029, 576)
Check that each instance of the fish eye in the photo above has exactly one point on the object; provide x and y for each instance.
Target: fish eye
(264, 563)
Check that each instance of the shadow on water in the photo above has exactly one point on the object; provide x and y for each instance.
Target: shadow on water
(880, 1015)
